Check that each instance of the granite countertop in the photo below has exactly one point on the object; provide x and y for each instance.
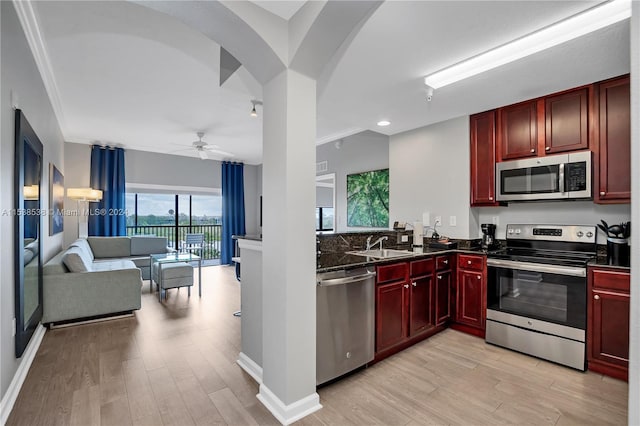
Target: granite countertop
(328, 261)
(601, 262)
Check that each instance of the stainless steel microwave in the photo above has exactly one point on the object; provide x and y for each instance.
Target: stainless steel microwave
(553, 177)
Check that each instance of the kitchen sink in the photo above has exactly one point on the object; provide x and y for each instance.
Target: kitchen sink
(382, 254)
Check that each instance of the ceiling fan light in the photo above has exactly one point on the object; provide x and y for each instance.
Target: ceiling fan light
(253, 112)
(202, 153)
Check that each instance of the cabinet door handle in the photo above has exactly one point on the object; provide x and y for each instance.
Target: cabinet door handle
(414, 284)
(547, 148)
(468, 262)
(533, 150)
(406, 286)
(596, 297)
(602, 193)
(446, 262)
(490, 198)
(439, 277)
(479, 277)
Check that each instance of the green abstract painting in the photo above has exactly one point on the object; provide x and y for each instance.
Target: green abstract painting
(368, 199)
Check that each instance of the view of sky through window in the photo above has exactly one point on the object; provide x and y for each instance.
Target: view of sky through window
(159, 209)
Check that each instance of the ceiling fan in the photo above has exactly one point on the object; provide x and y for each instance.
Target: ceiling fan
(204, 148)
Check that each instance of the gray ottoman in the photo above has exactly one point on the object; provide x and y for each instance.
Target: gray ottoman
(172, 275)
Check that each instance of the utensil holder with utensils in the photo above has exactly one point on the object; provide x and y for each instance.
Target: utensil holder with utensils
(617, 242)
(617, 251)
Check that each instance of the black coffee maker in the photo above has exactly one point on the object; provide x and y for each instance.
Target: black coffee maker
(488, 236)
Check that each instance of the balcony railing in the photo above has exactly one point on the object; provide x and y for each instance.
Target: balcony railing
(212, 236)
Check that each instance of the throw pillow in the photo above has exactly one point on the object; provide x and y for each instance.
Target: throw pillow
(84, 245)
(76, 260)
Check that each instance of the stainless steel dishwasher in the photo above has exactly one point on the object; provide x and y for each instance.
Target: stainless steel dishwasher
(345, 322)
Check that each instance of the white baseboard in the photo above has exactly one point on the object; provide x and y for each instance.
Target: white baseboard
(287, 414)
(250, 366)
(6, 405)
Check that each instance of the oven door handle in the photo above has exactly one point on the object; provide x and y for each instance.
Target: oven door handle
(538, 267)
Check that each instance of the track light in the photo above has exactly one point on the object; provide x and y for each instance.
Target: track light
(254, 102)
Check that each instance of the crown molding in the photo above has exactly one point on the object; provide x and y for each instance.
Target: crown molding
(29, 21)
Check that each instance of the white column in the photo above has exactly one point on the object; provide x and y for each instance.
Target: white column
(250, 358)
(289, 260)
(634, 342)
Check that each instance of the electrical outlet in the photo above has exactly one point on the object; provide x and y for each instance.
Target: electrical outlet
(13, 327)
(452, 220)
(438, 221)
(494, 220)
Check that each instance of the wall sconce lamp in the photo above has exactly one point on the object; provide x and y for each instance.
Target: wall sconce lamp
(31, 192)
(254, 102)
(84, 194)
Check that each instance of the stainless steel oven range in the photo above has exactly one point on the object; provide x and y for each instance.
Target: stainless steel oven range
(537, 291)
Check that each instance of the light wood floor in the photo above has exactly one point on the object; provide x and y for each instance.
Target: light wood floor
(174, 363)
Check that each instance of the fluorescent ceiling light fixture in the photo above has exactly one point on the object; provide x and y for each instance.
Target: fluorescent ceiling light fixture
(576, 26)
(383, 123)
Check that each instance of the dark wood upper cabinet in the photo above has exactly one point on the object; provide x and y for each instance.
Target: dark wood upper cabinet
(518, 131)
(608, 322)
(613, 167)
(567, 121)
(483, 158)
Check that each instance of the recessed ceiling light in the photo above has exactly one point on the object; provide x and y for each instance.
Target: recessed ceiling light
(576, 26)
(383, 123)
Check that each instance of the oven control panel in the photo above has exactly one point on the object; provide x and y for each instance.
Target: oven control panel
(564, 233)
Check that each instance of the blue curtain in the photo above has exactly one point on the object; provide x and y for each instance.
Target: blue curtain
(232, 207)
(108, 218)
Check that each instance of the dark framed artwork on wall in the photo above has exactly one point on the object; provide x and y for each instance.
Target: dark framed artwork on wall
(56, 200)
(368, 199)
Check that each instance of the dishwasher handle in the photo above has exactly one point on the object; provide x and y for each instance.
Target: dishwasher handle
(345, 280)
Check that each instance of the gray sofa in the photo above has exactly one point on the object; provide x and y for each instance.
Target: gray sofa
(97, 276)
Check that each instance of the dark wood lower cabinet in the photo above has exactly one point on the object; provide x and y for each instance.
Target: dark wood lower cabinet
(419, 298)
(608, 322)
(443, 297)
(421, 305)
(405, 306)
(469, 299)
(391, 326)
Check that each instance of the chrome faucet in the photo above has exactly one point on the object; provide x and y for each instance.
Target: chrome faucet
(379, 240)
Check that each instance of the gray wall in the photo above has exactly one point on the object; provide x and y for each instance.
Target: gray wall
(359, 153)
(20, 76)
(559, 212)
(429, 173)
(173, 172)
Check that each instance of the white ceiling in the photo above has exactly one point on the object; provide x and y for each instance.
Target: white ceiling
(284, 9)
(130, 76)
